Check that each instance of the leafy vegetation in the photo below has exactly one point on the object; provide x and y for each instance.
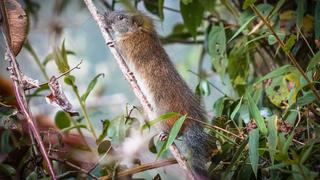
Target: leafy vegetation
(268, 127)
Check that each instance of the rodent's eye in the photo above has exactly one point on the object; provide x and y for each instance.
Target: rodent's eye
(120, 17)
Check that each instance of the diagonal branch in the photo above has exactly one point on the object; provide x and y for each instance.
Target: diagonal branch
(129, 76)
(142, 168)
(21, 99)
(288, 53)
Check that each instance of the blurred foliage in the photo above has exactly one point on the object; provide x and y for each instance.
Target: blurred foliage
(268, 129)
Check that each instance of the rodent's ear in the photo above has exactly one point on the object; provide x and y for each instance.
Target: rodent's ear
(138, 19)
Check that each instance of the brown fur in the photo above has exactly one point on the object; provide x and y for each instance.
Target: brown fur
(166, 90)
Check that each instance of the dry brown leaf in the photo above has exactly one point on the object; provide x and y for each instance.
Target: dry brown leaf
(15, 23)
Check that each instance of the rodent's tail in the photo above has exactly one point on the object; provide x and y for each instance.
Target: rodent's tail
(199, 145)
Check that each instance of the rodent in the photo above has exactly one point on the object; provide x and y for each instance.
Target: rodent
(166, 91)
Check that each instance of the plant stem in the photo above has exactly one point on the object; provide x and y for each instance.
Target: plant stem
(142, 168)
(288, 53)
(84, 112)
(36, 58)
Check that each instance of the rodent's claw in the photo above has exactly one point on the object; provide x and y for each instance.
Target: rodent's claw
(163, 136)
(110, 44)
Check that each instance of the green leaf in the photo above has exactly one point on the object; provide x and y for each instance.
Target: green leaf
(217, 49)
(155, 7)
(62, 120)
(70, 80)
(288, 142)
(152, 146)
(173, 134)
(277, 8)
(277, 91)
(105, 128)
(7, 170)
(104, 147)
(235, 111)
(7, 110)
(238, 66)
(218, 106)
(208, 5)
(255, 113)
(236, 157)
(290, 43)
(301, 9)
(90, 87)
(32, 176)
(242, 27)
(254, 150)
(272, 136)
(159, 119)
(314, 61)
(307, 98)
(60, 57)
(5, 146)
(192, 14)
(203, 88)
(51, 57)
(272, 39)
(306, 153)
(160, 9)
(277, 72)
(317, 21)
(248, 3)
(186, 2)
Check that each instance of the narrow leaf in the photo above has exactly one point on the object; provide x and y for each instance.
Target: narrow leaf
(241, 28)
(235, 111)
(277, 72)
(254, 150)
(315, 60)
(288, 143)
(90, 87)
(105, 128)
(255, 113)
(173, 134)
(159, 119)
(317, 20)
(272, 136)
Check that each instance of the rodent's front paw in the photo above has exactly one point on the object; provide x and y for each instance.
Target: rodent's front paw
(163, 136)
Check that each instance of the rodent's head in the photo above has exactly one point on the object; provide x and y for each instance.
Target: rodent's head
(121, 22)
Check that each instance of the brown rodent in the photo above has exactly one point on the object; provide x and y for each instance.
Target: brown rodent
(160, 82)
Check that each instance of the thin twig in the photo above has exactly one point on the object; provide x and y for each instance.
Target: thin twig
(142, 168)
(217, 127)
(129, 76)
(21, 99)
(98, 162)
(305, 40)
(64, 161)
(288, 53)
(60, 75)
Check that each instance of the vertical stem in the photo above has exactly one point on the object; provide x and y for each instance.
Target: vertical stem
(84, 112)
(36, 58)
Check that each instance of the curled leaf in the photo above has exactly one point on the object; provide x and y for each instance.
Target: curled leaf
(15, 23)
(57, 97)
